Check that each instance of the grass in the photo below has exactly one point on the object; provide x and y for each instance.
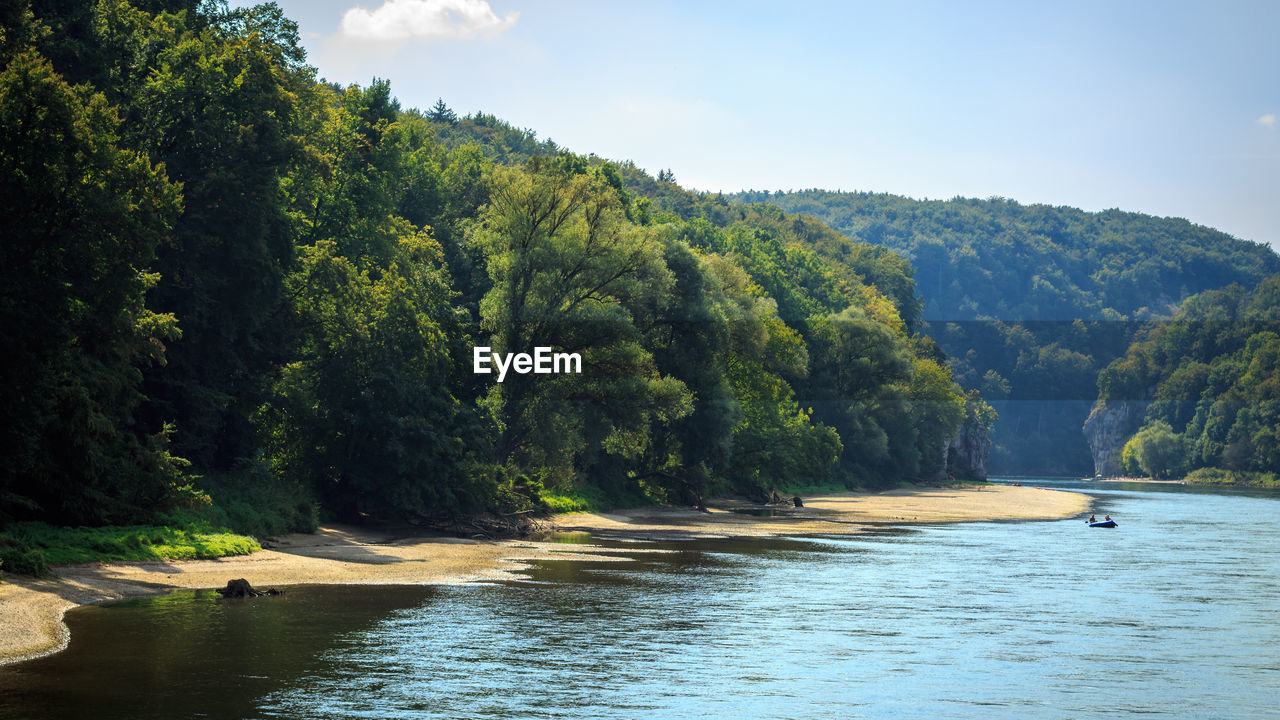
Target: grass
(251, 502)
(30, 547)
(1240, 478)
(245, 505)
(595, 499)
(572, 502)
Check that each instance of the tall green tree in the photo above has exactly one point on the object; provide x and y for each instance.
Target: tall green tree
(367, 414)
(569, 272)
(83, 219)
(218, 106)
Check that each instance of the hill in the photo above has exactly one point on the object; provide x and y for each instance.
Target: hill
(1030, 302)
(1200, 394)
(242, 297)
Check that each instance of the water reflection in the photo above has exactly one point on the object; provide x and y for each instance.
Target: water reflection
(1170, 614)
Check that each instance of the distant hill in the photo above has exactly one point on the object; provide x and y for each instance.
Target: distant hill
(1030, 302)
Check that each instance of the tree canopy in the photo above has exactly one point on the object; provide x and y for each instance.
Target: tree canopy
(227, 279)
(1211, 379)
(1031, 302)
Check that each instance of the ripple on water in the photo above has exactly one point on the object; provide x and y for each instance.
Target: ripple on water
(1172, 614)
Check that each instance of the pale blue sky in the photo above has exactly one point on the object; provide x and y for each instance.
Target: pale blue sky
(1167, 108)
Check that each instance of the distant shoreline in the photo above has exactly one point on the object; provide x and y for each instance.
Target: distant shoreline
(31, 610)
(1151, 481)
(1187, 481)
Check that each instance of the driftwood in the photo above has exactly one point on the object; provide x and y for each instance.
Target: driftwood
(242, 589)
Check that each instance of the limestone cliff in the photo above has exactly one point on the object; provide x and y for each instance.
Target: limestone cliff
(967, 454)
(1109, 427)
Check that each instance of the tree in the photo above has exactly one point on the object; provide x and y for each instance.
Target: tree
(775, 441)
(218, 105)
(569, 272)
(367, 414)
(440, 113)
(83, 219)
(1156, 451)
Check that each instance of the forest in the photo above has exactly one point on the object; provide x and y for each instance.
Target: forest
(1210, 384)
(1031, 302)
(236, 296)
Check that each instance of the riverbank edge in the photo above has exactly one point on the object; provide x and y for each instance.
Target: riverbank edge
(32, 610)
(1189, 482)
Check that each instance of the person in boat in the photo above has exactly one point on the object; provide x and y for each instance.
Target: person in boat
(1107, 519)
(1092, 519)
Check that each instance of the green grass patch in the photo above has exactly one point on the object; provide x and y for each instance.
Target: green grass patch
(1241, 478)
(586, 499)
(30, 547)
(594, 499)
(241, 506)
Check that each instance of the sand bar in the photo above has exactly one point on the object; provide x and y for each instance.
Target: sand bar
(31, 610)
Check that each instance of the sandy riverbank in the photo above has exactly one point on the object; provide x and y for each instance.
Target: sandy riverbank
(31, 610)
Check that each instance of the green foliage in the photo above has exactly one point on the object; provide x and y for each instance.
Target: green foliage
(569, 272)
(83, 218)
(1239, 478)
(440, 113)
(1156, 451)
(217, 101)
(17, 556)
(972, 257)
(286, 278)
(366, 415)
(585, 498)
(1029, 303)
(1212, 378)
(251, 501)
(29, 547)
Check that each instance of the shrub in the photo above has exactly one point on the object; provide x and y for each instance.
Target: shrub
(1157, 451)
(18, 557)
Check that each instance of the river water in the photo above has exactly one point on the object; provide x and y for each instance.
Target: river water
(1172, 614)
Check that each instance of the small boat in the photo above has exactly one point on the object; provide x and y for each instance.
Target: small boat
(1104, 523)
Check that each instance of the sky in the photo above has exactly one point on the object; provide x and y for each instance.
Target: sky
(1167, 108)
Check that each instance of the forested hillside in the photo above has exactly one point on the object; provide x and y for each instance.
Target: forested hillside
(1210, 384)
(1031, 302)
(231, 290)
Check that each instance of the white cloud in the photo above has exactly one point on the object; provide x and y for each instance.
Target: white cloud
(405, 19)
(1268, 120)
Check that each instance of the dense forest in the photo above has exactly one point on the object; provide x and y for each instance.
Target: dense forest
(236, 292)
(1210, 384)
(1031, 302)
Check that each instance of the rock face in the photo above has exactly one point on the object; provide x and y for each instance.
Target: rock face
(967, 454)
(1109, 427)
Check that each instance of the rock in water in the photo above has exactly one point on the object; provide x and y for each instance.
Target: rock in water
(796, 500)
(242, 589)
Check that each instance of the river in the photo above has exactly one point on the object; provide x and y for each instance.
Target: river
(1173, 613)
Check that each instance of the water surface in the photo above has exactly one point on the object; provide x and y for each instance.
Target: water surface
(1173, 613)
